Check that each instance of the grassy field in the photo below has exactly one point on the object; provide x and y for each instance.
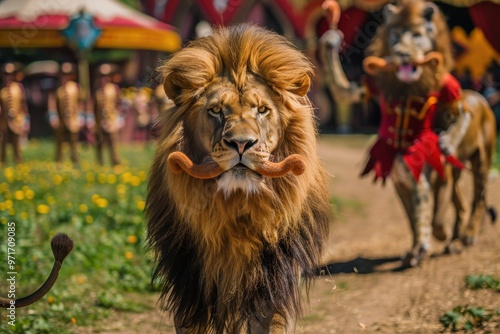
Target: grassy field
(101, 208)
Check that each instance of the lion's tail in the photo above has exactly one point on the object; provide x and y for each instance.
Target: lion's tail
(61, 246)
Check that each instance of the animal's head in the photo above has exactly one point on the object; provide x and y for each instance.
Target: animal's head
(240, 100)
(413, 43)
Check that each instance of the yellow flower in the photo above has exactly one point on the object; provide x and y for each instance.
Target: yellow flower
(83, 208)
(43, 209)
(132, 239)
(101, 178)
(57, 179)
(135, 181)
(118, 169)
(95, 197)
(102, 203)
(51, 200)
(2, 206)
(73, 321)
(12, 211)
(50, 300)
(129, 255)
(19, 195)
(121, 189)
(89, 219)
(111, 178)
(80, 279)
(24, 215)
(9, 204)
(90, 177)
(141, 205)
(126, 177)
(142, 175)
(29, 194)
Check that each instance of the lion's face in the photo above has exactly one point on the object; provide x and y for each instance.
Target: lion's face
(239, 128)
(408, 47)
(412, 37)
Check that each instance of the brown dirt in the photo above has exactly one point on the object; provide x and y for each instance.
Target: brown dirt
(363, 293)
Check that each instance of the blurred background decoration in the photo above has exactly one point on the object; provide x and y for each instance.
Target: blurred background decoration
(81, 31)
(137, 34)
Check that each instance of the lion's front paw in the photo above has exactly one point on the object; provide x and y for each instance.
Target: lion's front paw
(414, 257)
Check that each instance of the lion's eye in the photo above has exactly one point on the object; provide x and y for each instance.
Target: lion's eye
(215, 111)
(263, 109)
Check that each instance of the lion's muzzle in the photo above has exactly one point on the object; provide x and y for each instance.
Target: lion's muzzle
(209, 169)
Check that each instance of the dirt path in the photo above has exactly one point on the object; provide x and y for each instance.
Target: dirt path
(362, 294)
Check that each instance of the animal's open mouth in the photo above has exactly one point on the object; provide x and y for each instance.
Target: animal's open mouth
(408, 72)
(209, 169)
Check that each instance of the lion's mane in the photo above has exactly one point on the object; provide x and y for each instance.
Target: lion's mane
(411, 14)
(220, 258)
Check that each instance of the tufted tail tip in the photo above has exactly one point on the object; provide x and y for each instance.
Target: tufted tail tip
(61, 245)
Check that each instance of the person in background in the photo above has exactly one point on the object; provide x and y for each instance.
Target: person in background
(14, 116)
(108, 117)
(66, 112)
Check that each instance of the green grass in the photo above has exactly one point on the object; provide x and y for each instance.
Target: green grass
(101, 209)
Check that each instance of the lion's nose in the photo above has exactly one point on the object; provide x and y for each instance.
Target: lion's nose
(240, 145)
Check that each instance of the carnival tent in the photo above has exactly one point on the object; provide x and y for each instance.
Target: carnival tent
(38, 24)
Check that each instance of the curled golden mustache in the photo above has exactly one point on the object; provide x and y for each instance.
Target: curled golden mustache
(372, 64)
(179, 162)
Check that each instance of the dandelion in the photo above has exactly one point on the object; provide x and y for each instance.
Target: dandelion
(111, 178)
(135, 181)
(2, 206)
(73, 321)
(80, 279)
(50, 300)
(19, 195)
(126, 177)
(89, 219)
(118, 169)
(57, 179)
(24, 215)
(43, 209)
(142, 175)
(12, 212)
(29, 194)
(121, 189)
(9, 204)
(83, 208)
(101, 178)
(102, 203)
(90, 177)
(95, 198)
(129, 255)
(132, 239)
(141, 205)
(51, 200)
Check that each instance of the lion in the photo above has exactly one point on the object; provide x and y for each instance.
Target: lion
(237, 205)
(428, 126)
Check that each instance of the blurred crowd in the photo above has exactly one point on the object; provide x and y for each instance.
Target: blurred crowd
(47, 99)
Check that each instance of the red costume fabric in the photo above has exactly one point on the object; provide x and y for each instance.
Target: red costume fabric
(406, 128)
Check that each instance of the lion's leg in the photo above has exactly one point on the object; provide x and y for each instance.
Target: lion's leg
(417, 200)
(480, 172)
(455, 246)
(442, 197)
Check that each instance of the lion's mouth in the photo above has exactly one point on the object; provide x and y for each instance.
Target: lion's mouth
(209, 169)
(408, 72)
